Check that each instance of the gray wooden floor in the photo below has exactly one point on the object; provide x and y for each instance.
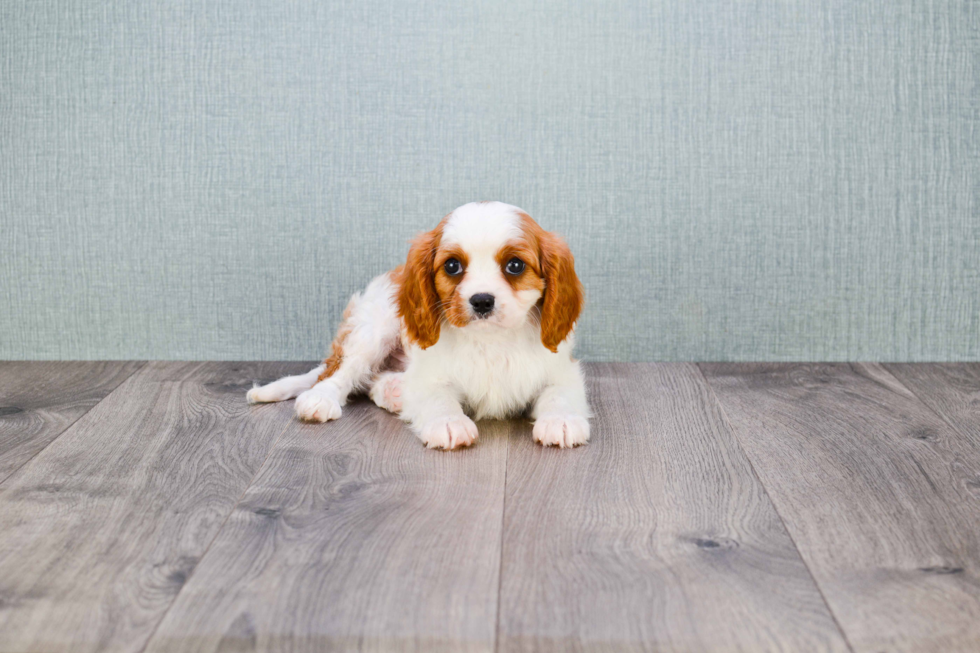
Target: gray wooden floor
(721, 507)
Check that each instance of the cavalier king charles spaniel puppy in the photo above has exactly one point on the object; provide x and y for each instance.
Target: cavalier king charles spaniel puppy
(477, 324)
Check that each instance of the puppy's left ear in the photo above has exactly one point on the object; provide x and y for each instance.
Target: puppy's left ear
(563, 294)
(418, 301)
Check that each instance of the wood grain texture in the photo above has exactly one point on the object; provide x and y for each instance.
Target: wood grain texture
(655, 536)
(354, 537)
(953, 391)
(874, 488)
(39, 400)
(104, 526)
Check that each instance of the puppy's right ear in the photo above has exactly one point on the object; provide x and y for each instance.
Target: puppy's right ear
(418, 301)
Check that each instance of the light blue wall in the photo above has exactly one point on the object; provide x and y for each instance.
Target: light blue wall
(739, 180)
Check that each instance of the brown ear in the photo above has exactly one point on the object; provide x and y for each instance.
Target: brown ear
(418, 301)
(563, 295)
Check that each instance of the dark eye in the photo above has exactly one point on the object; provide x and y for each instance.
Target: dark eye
(452, 267)
(514, 266)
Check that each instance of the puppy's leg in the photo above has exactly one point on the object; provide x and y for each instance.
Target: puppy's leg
(561, 411)
(285, 388)
(364, 341)
(436, 415)
(386, 391)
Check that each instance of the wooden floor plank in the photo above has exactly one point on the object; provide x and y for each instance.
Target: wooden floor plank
(953, 391)
(354, 537)
(39, 400)
(103, 527)
(874, 488)
(655, 536)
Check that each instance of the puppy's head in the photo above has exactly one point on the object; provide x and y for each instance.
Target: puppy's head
(489, 266)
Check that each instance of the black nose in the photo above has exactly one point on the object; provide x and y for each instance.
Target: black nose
(482, 303)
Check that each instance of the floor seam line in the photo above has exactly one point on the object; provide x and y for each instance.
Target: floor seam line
(500, 566)
(217, 533)
(37, 453)
(772, 502)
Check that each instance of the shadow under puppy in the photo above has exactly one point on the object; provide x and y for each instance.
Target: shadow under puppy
(478, 321)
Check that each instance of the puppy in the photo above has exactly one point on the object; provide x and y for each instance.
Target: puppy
(477, 324)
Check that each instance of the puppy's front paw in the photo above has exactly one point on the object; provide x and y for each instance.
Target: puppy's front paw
(449, 432)
(561, 430)
(317, 406)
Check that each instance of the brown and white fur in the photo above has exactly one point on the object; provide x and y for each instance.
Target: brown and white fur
(421, 340)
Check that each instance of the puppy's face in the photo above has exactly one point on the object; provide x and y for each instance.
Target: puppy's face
(489, 266)
(487, 269)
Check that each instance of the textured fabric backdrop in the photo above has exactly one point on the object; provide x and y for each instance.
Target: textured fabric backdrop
(739, 180)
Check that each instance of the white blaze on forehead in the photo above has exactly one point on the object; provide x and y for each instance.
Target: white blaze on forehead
(482, 228)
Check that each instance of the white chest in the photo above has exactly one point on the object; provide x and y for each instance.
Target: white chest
(494, 375)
